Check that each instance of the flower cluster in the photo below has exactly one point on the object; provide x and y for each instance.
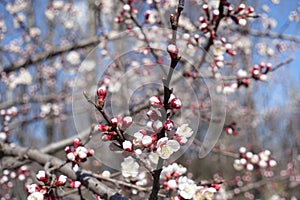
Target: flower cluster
(182, 187)
(78, 153)
(258, 72)
(125, 14)
(7, 116)
(44, 190)
(250, 161)
(238, 15)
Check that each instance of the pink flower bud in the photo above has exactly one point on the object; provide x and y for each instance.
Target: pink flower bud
(106, 137)
(168, 125)
(68, 149)
(155, 101)
(250, 9)
(240, 8)
(205, 8)
(127, 121)
(77, 142)
(272, 163)
(127, 145)
(102, 127)
(101, 93)
(90, 152)
(175, 103)
(173, 51)
(42, 176)
(61, 180)
(114, 121)
(74, 184)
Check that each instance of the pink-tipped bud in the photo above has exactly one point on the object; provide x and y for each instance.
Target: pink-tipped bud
(77, 142)
(205, 8)
(216, 13)
(127, 121)
(250, 10)
(90, 152)
(42, 176)
(155, 101)
(168, 125)
(231, 52)
(203, 26)
(127, 145)
(114, 122)
(173, 51)
(67, 149)
(197, 37)
(61, 180)
(106, 137)
(240, 8)
(175, 103)
(102, 127)
(101, 92)
(74, 184)
(202, 19)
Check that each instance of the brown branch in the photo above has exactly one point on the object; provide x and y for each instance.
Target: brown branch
(37, 156)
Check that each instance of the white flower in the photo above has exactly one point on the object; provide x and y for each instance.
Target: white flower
(237, 165)
(137, 138)
(172, 184)
(186, 187)
(3, 136)
(36, 196)
(73, 58)
(32, 188)
(106, 173)
(114, 86)
(184, 131)
(147, 140)
(81, 152)
(129, 168)
(166, 147)
(242, 73)
(208, 193)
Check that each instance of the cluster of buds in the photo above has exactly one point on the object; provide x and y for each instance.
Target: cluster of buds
(8, 176)
(182, 187)
(78, 153)
(250, 161)
(173, 103)
(116, 125)
(125, 15)
(220, 48)
(259, 72)
(44, 190)
(238, 15)
(7, 116)
(231, 129)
